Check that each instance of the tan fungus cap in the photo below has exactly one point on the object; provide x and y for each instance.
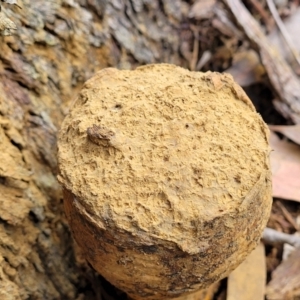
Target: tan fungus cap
(166, 176)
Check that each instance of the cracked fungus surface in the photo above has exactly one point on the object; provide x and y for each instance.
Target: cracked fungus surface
(160, 150)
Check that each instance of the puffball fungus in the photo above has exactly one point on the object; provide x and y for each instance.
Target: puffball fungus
(166, 177)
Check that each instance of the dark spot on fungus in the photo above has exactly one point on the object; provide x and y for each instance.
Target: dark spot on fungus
(99, 135)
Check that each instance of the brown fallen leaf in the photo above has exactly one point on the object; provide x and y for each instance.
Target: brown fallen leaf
(246, 68)
(285, 283)
(292, 132)
(285, 162)
(248, 281)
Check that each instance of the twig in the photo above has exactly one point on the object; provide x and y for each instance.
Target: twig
(283, 30)
(288, 216)
(272, 236)
(284, 80)
(206, 56)
(195, 53)
(258, 6)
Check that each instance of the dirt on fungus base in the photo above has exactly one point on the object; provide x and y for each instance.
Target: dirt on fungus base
(166, 176)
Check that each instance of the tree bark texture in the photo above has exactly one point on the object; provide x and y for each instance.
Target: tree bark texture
(58, 45)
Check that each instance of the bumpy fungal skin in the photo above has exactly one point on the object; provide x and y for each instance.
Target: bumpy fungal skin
(166, 176)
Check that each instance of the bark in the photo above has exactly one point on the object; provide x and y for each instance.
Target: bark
(57, 46)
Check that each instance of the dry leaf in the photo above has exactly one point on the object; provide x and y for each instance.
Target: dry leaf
(246, 68)
(292, 132)
(285, 283)
(247, 282)
(285, 162)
